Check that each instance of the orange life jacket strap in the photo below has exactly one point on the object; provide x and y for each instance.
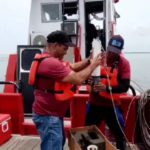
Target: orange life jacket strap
(34, 66)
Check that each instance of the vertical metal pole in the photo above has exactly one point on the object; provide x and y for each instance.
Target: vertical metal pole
(109, 14)
(82, 26)
(106, 12)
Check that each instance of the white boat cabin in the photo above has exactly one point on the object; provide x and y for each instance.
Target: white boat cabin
(73, 16)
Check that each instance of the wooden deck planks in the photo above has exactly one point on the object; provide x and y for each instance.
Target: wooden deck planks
(18, 142)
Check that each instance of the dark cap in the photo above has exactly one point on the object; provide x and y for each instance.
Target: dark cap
(59, 37)
(115, 44)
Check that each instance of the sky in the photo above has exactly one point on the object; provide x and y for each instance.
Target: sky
(14, 16)
(133, 24)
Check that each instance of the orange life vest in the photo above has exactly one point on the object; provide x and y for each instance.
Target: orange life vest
(65, 88)
(109, 75)
(110, 79)
(34, 67)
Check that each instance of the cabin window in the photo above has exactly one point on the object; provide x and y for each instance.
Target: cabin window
(50, 12)
(28, 54)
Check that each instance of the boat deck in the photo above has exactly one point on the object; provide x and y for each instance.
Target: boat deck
(18, 142)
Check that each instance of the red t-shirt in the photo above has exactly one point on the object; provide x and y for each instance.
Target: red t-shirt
(45, 103)
(123, 73)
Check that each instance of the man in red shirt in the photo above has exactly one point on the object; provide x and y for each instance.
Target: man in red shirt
(48, 112)
(101, 106)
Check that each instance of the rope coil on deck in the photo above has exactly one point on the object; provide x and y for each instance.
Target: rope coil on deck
(145, 128)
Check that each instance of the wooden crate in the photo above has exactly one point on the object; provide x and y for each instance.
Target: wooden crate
(74, 143)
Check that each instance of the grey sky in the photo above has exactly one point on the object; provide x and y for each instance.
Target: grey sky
(14, 16)
(134, 24)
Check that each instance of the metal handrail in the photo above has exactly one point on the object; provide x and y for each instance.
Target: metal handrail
(10, 82)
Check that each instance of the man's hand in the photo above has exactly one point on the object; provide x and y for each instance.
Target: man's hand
(97, 60)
